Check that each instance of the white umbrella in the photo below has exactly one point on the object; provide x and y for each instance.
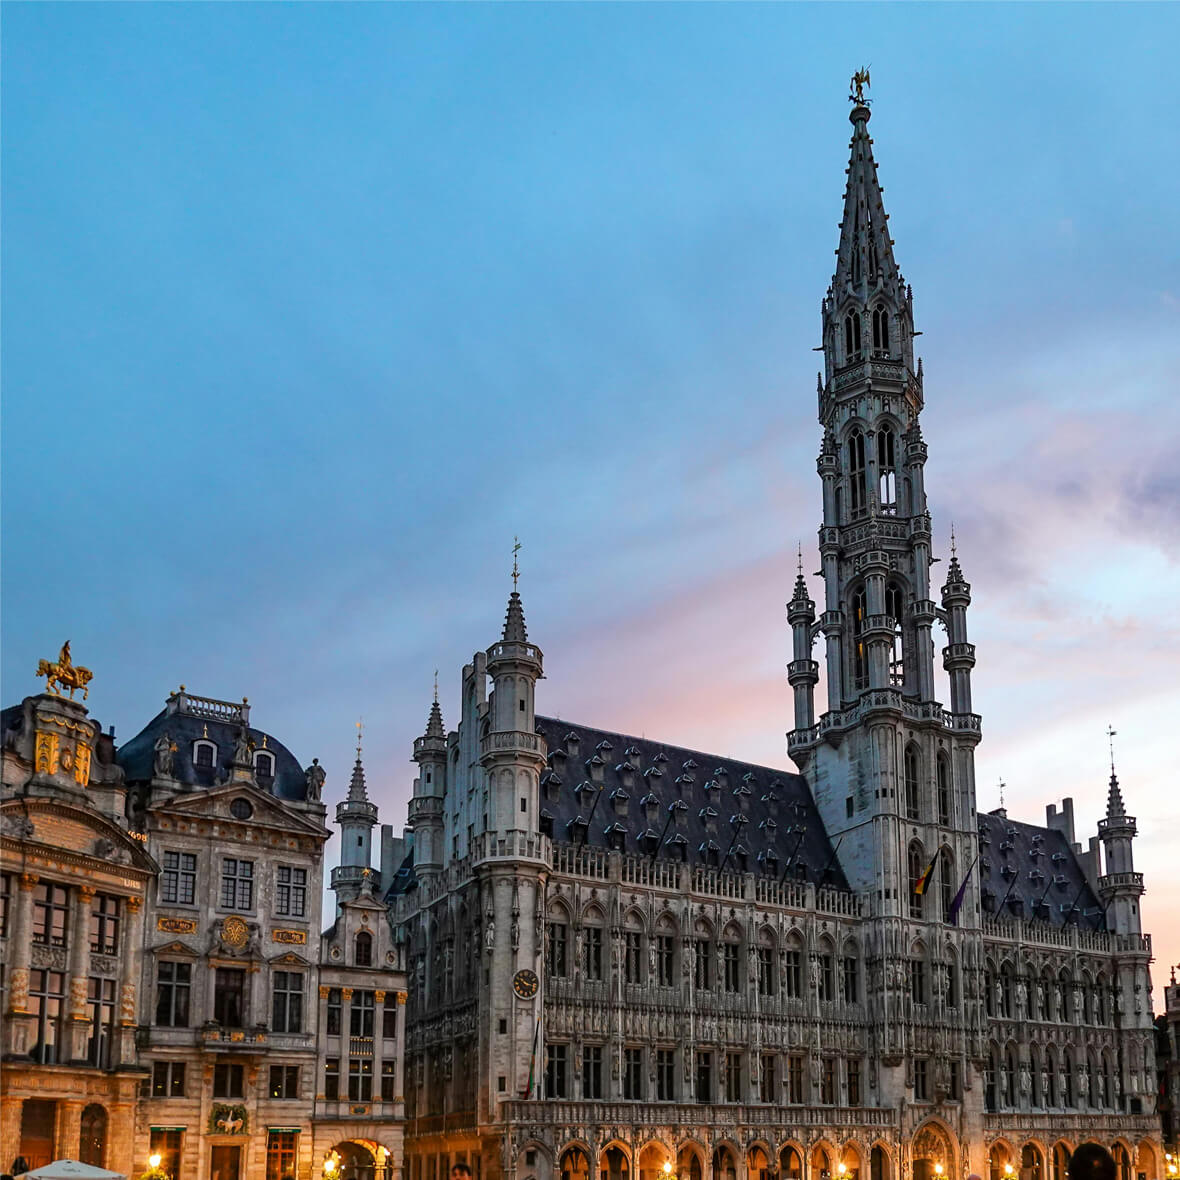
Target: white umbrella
(73, 1170)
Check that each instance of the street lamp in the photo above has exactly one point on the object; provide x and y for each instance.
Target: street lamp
(330, 1166)
(155, 1160)
(667, 1167)
(938, 1169)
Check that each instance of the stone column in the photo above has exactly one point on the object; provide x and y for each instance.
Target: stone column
(11, 1110)
(19, 941)
(78, 1024)
(132, 953)
(68, 1133)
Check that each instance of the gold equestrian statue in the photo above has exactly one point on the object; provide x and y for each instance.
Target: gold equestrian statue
(859, 81)
(65, 674)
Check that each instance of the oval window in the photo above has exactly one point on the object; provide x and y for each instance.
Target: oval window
(241, 809)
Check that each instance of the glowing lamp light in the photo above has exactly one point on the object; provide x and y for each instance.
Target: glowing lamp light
(1007, 1169)
(841, 1168)
(938, 1169)
(329, 1166)
(667, 1167)
(155, 1159)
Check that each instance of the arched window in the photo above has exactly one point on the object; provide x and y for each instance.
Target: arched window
(880, 329)
(264, 764)
(856, 473)
(913, 777)
(917, 966)
(1010, 1077)
(917, 868)
(860, 662)
(204, 754)
(848, 338)
(887, 470)
(363, 949)
(944, 790)
(947, 883)
(894, 608)
(952, 984)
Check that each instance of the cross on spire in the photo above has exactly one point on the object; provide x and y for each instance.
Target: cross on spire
(1002, 785)
(1111, 734)
(515, 566)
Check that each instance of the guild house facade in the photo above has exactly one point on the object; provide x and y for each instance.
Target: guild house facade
(632, 960)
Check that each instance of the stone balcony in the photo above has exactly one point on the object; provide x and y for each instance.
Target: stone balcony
(513, 742)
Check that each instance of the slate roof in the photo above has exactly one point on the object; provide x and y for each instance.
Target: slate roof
(1035, 869)
(138, 755)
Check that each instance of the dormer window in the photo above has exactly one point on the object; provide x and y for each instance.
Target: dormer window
(264, 764)
(204, 754)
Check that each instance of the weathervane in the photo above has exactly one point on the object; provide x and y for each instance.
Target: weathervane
(1002, 792)
(859, 81)
(800, 554)
(515, 567)
(1111, 734)
(360, 730)
(436, 686)
(953, 552)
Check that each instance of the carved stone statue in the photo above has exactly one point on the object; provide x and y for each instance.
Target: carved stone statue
(242, 745)
(165, 749)
(314, 778)
(1025, 1078)
(489, 936)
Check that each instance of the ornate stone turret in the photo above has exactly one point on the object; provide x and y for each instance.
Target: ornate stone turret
(356, 817)
(1120, 887)
(803, 671)
(958, 657)
(426, 807)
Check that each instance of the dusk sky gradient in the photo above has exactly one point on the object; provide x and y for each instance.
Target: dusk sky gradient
(308, 309)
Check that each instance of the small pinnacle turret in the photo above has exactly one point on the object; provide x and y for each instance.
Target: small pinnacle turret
(356, 816)
(514, 628)
(1115, 808)
(357, 792)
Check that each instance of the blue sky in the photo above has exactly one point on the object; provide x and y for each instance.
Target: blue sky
(309, 309)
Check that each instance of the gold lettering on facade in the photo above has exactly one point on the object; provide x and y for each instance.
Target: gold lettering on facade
(174, 925)
(290, 937)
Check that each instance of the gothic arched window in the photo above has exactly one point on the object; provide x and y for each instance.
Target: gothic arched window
(894, 609)
(363, 949)
(913, 776)
(880, 329)
(856, 473)
(860, 664)
(887, 470)
(851, 337)
(947, 883)
(944, 790)
(916, 868)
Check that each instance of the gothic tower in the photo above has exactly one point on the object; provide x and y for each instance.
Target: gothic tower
(426, 805)
(891, 769)
(356, 816)
(511, 866)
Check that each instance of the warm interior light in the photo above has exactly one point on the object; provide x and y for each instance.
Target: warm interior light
(667, 1167)
(1007, 1169)
(841, 1168)
(155, 1159)
(938, 1169)
(329, 1166)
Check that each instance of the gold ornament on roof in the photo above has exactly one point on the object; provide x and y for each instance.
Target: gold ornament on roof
(859, 81)
(65, 674)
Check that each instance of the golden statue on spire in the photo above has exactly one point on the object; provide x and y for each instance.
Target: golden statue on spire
(859, 81)
(65, 674)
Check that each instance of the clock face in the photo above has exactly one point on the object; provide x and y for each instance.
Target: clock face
(525, 984)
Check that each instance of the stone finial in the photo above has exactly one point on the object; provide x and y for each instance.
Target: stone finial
(434, 723)
(514, 628)
(357, 792)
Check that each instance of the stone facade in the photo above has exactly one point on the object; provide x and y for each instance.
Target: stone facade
(162, 942)
(629, 958)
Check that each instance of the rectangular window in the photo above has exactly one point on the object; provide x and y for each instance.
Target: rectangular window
(389, 1017)
(854, 1096)
(280, 1154)
(288, 1002)
(100, 1008)
(104, 925)
(284, 1081)
(173, 987)
(46, 1004)
(921, 1087)
(334, 1012)
(167, 1144)
(733, 1077)
(388, 1080)
(666, 1075)
(730, 959)
(361, 1014)
(665, 951)
(237, 884)
(704, 1087)
(168, 1079)
(794, 975)
(556, 1066)
(849, 978)
(291, 892)
(229, 997)
(556, 956)
(701, 957)
(50, 914)
(633, 957)
(769, 1078)
(360, 1079)
(765, 971)
(795, 1080)
(227, 1080)
(592, 962)
(633, 1074)
(592, 1071)
(332, 1078)
(178, 882)
(5, 902)
(827, 1082)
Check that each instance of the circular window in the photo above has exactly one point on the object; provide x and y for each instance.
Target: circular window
(241, 809)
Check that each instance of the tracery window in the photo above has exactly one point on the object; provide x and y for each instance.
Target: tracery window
(912, 765)
(880, 328)
(894, 608)
(944, 790)
(860, 663)
(887, 471)
(916, 870)
(856, 473)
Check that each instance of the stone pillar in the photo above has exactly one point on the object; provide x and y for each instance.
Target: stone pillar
(120, 1155)
(19, 941)
(11, 1110)
(399, 1088)
(68, 1132)
(77, 1017)
(129, 979)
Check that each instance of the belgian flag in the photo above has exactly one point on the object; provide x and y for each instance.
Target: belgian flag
(924, 883)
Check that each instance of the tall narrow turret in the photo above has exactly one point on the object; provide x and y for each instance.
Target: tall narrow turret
(426, 806)
(356, 816)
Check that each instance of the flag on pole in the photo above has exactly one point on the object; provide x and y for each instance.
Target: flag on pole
(533, 1060)
(927, 876)
(952, 915)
